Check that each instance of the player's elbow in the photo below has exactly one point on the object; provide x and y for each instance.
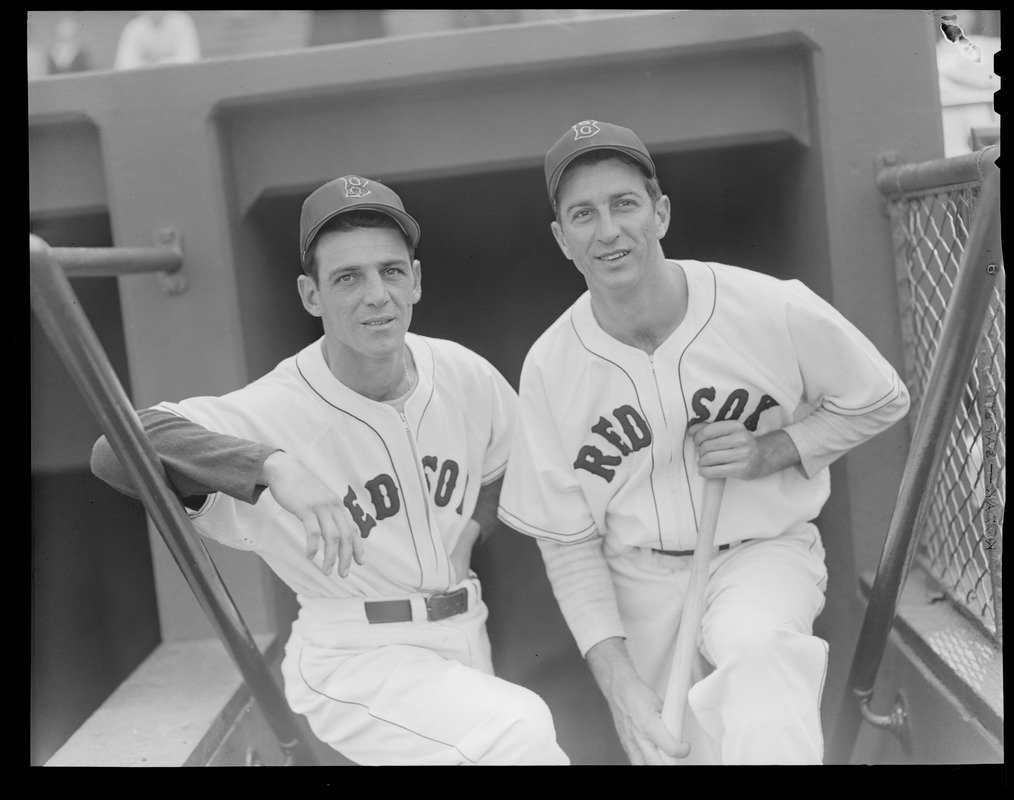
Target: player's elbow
(902, 403)
(106, 466)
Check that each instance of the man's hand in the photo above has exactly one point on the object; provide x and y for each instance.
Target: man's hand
(636, 709)
(303, 494)
(727, 449)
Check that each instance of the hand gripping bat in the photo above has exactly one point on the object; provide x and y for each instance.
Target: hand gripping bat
(674, 707)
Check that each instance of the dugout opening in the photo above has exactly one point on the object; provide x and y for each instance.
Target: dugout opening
(494, 279)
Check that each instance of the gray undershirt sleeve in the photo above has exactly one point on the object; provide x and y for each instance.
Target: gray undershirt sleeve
(822, 437)
(584, 590)
(198, 462)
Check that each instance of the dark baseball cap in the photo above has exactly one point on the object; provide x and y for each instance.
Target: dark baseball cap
(588, 135)
(351, 193)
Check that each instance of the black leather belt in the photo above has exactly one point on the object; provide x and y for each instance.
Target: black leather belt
(438, 606)
(721, 547)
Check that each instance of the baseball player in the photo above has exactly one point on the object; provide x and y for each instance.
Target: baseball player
(383, 451)
(664, 373)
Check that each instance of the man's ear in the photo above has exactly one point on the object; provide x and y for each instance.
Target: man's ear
(417, 272)
(663, 214)
(310, 295)
(560, 239)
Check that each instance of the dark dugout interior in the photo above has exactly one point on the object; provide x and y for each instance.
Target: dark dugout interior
(493, 279)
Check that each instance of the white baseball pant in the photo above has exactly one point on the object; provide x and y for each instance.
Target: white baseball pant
(758, 697)
(412, 693)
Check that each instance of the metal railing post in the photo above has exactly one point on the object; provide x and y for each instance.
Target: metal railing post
(959, 340)
(60, 315)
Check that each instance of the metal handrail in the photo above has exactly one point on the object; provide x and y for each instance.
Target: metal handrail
(963, 324)
(897, 179)
(114, 261)
(57, 308)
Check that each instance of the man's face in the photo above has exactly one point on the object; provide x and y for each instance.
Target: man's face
(366, 286)
(608, 225)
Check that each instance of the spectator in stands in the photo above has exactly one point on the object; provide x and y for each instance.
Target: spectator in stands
(158, 37)
(67, 53)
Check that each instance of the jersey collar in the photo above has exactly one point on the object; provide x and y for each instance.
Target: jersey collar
(700, 307)
(314, 369)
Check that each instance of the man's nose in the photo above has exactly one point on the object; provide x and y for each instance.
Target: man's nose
(376, 290)
(608, 228)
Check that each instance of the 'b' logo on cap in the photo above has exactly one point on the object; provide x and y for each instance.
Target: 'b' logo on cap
(585, 129)
(355, 186)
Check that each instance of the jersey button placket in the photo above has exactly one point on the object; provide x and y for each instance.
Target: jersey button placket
(441, 565)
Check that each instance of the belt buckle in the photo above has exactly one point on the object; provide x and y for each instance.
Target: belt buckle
(448, 604)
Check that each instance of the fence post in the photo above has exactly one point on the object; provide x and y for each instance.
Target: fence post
(962, 330)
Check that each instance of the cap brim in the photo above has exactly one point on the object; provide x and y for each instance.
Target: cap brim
(554, 181)
(407, 224)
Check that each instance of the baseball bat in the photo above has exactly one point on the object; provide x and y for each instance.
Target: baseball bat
(674, 706)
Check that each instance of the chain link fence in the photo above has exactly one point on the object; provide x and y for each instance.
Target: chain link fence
(960, 530)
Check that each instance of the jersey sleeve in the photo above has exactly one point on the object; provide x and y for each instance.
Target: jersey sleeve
(541, 495)
(854, 391)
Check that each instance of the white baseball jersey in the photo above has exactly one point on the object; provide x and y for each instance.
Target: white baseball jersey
(601, 446)
(409, 481)
(396, 692)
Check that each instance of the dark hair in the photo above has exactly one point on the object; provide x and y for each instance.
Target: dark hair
(651, 185)
(350, 221)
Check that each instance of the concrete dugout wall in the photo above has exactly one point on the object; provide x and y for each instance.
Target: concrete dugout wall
(765, 126)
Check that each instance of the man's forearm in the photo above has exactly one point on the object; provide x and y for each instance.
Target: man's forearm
(485, 507)
(584, 590)
(610, 664)
(778, 452)
(822, 437)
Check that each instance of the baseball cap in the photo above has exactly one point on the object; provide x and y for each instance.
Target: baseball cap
(588, 135)
(351, 193)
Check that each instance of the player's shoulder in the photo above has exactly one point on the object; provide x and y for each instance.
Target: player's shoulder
(282, 382)
(747, 307)
(736, 284)
(444, 351)
(561, 336)
(249, 407)
(730, 276)
(451, 363)
(285, 373)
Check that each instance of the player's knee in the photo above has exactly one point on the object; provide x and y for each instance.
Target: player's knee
(778, 659)
(532, 720)
(758, 639)
(529, 732)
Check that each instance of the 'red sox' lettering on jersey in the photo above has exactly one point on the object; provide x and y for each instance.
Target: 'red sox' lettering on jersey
(383, 493)
(732, 408)
(628, 432)
(636, 431)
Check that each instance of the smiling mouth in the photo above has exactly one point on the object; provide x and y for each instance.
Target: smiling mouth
(614, 256)
(377, 323)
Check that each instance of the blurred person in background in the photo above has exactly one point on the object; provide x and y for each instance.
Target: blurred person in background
(158, 37)
(67, 53)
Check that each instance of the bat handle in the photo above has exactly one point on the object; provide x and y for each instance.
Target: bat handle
(674, 706)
